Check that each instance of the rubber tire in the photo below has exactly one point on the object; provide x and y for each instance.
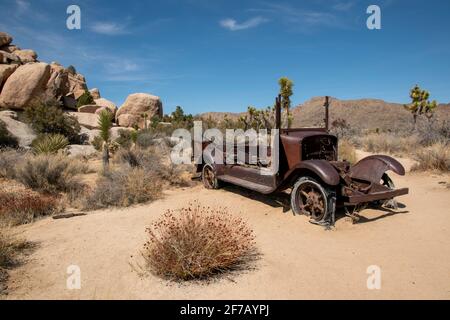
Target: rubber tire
(328, 193)
(216, 184)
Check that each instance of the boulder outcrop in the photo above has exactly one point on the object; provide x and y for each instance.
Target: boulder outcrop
(131, 113)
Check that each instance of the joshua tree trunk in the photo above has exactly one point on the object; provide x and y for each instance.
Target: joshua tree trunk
(105, 157)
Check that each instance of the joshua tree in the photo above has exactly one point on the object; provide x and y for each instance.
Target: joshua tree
(286, 92)
(420, 104)
(105, 124)
(145, 116)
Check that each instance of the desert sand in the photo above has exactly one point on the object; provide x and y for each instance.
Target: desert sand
(298, 260)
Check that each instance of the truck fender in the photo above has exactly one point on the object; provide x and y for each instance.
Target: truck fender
(322, 168)
(373, 167)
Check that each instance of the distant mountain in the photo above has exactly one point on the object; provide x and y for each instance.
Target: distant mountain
(361, 114)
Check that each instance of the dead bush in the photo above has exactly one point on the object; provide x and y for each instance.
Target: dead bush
(156, 162)
(197, 242)
(9, 159)
(123, 188)
(347, 151)
(434, 158)
(23, 206)
(51, 173)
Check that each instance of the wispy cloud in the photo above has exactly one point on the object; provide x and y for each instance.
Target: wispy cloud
(22, 6)
(108, 28)
(233, 25)
(304, 20)
(343, 5)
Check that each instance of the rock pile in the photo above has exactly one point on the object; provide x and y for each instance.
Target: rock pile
(24, 79)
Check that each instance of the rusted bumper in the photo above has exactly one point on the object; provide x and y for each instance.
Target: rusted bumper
(383, 195)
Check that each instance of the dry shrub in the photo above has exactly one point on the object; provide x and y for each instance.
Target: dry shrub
(21, 207)
(155, 160)
(389, 143)
(51, 173)
(10, 250)
(434, 158)
(197, 242)
(9, 159)
(123, 188)
(347, 151)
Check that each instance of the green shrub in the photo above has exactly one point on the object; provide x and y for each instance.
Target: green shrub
(49, 143)
(49, 118)
(51, 173)
(7, 140)
(198, 242)
(85, 99)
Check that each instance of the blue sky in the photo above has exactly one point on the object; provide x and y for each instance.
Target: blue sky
(208, 55)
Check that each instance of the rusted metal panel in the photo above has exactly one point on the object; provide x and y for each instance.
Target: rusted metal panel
(323, 169)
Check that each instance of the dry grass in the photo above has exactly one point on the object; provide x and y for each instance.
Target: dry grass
(24, 206)
(10, 251)
(347, 151)
(434, 158)
(389, 143)
(123, 188)
(198, 242)
(51, 173)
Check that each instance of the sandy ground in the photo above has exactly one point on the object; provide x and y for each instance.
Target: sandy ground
(299, 260)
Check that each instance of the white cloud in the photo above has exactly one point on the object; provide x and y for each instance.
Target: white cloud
(108, 28)
(233, 25)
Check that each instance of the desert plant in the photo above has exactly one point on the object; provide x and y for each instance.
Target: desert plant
(389, 143)
(49, 143)
(123, 188)
(85, 99)
(286, 92)
(49, 118)
(146, 138)
(420, 105)
(11, 248)
(97, 143)
(7, 140)
(21, 207)
(434, 158)
(153, 160)
(9, 160)
(105, 124)
(347, 151)
(197, 242)
(51, 173)
(126, 138)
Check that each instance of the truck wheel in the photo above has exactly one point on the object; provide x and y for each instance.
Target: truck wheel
(391, 203)
(209, 178)
(310, 198)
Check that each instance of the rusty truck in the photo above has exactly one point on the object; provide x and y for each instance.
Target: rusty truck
(308, 167)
